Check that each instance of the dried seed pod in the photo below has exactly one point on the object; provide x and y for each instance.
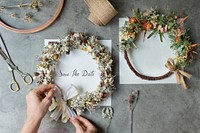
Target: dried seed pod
(84, 41)
(92, 46)
(105, 95)
(36, 74)
(45, 59)
(39, 65)
(132, 99)
(71, 33)
(93, 102)
(102, 83)
(56, 56)
(67, 52)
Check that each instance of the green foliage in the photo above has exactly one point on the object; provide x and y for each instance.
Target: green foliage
(157, 23)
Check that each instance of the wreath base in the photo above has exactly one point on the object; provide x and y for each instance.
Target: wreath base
(169, 73)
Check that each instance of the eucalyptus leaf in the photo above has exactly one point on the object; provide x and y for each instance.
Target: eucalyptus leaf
(161, 39)
(170, 25)
(152, 33)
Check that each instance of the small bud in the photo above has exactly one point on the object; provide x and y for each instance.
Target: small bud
(56, 56)
(36, 74)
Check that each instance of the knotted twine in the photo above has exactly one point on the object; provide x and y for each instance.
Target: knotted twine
(179, 73)
(101, 11)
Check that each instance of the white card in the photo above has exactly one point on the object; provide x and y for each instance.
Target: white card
(78, 68)
(148, 59)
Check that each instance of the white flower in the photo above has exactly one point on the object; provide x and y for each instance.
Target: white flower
(147, 13)
(76, 35)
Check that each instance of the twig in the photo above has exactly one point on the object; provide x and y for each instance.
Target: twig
(132, 101)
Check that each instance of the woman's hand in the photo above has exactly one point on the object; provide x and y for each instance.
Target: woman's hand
(82, 125)
(38, 102)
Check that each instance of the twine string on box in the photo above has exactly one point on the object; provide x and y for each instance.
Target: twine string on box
(101, 11)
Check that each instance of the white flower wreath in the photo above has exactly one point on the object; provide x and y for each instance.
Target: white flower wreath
(50, 57)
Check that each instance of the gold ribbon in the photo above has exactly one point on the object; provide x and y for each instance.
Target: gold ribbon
(179, 73)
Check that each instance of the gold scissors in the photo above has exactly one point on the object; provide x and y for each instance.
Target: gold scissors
(27, 78)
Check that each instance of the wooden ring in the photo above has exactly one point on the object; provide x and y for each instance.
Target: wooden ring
(169, 73)
(38, 28)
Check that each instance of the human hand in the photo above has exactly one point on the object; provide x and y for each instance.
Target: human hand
(82, 125)
(38, 103)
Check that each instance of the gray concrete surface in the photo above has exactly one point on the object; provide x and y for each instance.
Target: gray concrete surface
(160, 109)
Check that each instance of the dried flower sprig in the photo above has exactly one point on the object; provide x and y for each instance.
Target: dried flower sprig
(107, 112)
(132, 101)
(50, 57)
(27, 17)
(34, 5)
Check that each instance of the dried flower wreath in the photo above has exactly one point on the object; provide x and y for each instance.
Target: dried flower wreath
(155, 22)
(50, 57)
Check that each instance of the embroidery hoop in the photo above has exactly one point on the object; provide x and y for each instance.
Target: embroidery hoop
(51, 54)
(38, 28)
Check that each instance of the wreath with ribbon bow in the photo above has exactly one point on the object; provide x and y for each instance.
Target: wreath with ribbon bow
(157, 23)
(67, 99)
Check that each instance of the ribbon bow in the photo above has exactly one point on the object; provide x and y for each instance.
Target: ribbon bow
(179, 73)
(59, 106)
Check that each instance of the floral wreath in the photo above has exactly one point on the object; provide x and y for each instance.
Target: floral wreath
(50, 57)
(155, 22)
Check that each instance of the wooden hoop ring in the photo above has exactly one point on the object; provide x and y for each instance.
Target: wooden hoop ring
(36, 29)
(169, 73)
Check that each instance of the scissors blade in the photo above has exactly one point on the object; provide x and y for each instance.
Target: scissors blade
(11, 65)
(8, 55)
(3, 54)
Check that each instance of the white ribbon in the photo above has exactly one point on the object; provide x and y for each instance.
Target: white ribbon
(59, 106)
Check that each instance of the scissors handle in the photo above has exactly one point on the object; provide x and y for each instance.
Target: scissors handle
(14, 86)
(28, 79)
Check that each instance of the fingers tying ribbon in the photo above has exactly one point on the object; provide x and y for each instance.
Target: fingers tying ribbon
(59, 106)
(179, 73)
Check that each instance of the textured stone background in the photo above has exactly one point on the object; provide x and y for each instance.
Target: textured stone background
(160, 109)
